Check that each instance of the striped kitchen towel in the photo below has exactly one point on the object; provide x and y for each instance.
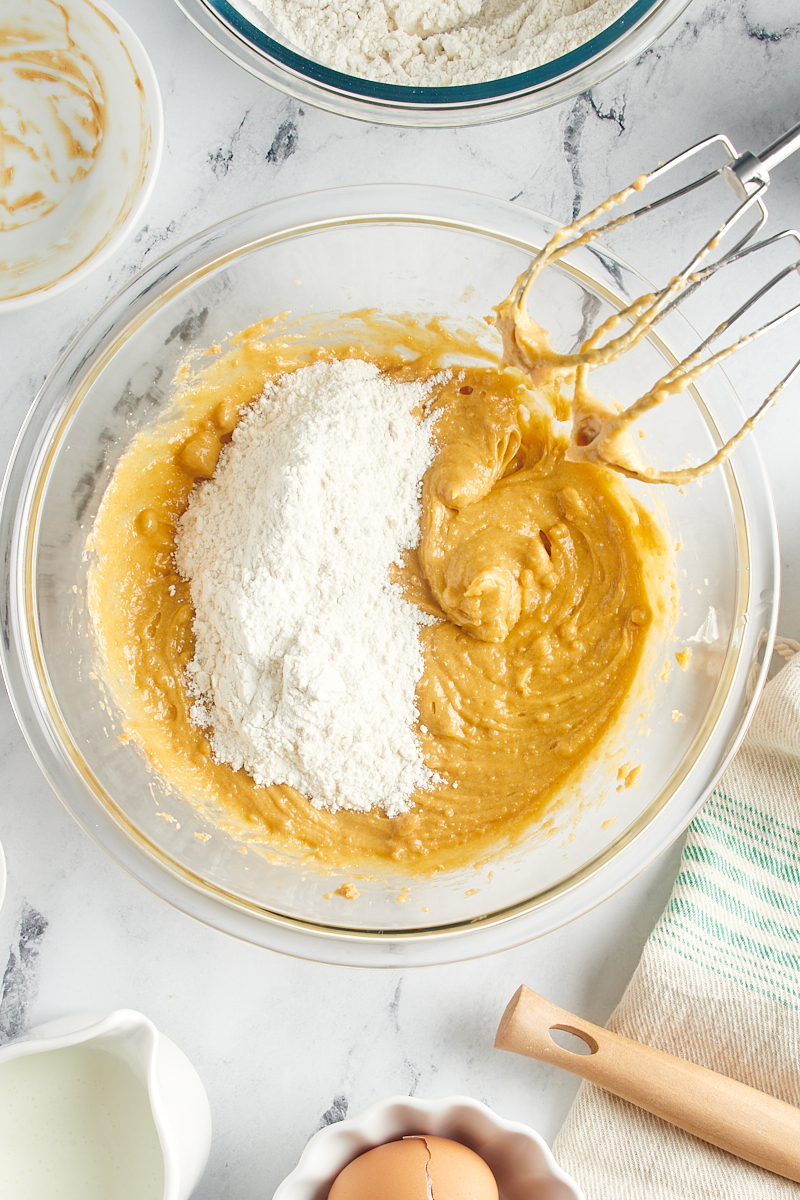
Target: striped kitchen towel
(719, 978)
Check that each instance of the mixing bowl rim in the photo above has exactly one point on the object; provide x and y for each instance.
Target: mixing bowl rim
(52, 425)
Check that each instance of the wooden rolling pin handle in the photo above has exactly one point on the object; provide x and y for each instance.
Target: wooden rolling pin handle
(722, 1111)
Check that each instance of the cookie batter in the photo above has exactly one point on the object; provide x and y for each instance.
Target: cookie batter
(549, 582)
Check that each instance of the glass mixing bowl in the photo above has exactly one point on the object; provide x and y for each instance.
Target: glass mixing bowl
(246, 36)
(401, 249)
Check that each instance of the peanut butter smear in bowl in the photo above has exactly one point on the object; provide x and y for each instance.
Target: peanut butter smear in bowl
(549, 598)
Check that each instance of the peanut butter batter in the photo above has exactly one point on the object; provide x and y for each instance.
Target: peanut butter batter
(551, 585)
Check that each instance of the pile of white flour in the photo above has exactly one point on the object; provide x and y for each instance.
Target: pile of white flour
(437, 43)
(307, 658)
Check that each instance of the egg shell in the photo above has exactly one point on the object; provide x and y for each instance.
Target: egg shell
(401, 1171)
(458, 1173)
(394, 1171)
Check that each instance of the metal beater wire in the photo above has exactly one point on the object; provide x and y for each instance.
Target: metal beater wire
(748, 175)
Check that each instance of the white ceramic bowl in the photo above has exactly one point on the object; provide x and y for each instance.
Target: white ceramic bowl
(91, 201)
(520, 1159)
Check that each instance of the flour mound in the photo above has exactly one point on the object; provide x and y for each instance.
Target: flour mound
(436, 43)
(307, 657)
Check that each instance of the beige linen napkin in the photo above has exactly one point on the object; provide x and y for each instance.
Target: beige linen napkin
(719, 978)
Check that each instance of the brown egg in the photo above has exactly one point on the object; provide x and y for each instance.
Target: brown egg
(404, 1170)
(458, 1173)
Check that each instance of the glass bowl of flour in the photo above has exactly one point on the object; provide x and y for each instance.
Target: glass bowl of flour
(402, 250)
(449, 62)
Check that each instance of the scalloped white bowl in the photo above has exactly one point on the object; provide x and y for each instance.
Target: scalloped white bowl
(520, 1159)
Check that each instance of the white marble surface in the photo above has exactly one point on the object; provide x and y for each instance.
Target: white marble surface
(284, 1046)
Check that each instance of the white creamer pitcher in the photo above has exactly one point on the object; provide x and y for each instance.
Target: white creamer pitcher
(112, 1089)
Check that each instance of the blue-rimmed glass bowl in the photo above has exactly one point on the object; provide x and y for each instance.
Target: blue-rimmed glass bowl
(246, 35)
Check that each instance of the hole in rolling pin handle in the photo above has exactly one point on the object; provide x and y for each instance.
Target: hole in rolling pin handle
(573, 1040)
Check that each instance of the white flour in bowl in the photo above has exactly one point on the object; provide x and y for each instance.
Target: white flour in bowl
(436, 43)
(307, 657)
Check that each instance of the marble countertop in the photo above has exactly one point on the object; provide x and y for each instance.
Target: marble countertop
(284, 1046)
